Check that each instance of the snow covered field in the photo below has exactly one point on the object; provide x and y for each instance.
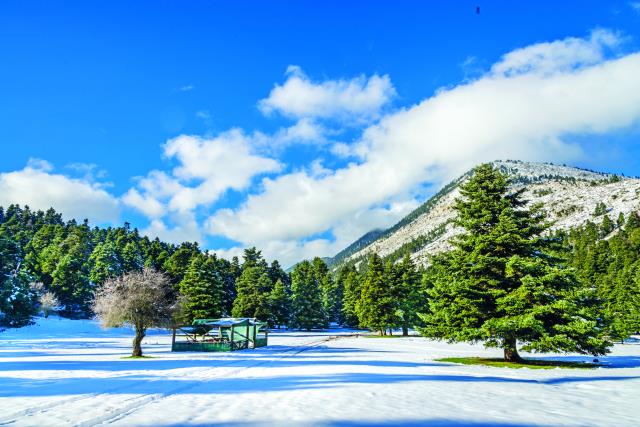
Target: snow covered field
(65, 372)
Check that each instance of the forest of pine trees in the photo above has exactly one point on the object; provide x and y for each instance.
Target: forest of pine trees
(503, 283)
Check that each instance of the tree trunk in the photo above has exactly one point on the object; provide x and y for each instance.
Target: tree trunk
(405, 330)
(390, 331)
(511, 350)
(137, 342)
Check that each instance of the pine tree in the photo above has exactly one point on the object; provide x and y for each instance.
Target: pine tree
(331, 291)
(280, 302)
(17, 299)
(607, 226)
(253, 288)
(179, 261)
(408, 296)
(600, 209)
(202, 289)
(306, 298)
(105, 263)
(377, 306)
(70, 278)
(248, 294)
(350, 280)
(622, 304)
(263, 306)
(503, 283)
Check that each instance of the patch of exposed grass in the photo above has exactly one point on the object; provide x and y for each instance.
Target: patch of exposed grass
(389, 336)
(525, 363)
(136, 357)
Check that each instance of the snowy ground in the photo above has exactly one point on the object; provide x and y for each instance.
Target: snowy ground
(64, 372)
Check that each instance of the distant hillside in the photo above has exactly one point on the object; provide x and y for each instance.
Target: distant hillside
(570, 196)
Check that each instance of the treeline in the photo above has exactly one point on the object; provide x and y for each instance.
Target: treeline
(48, 264)
(606, 255)
(43, 256)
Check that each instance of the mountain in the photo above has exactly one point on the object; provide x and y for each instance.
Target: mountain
(569, 195)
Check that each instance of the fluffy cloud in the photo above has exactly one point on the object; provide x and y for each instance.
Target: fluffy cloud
(38, 187)
(558, 56)
(299, 96)
(184, 228)
(345, 232)
(305, 131)
(207, 167)
(144, 203)
(526, 107)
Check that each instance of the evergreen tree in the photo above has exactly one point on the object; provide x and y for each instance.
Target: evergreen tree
(202, 289)
(331, 291)
(263, 306)
(622, 304)
(280, 302)
(350, 280)
(17, 299)
(105, 263)
(377, 307)
(600, 209)
(307, 311)
(607, 226)
(253, 288)
(502, 283)
(408, 295)
(179, 261)
(246, 301)
(70, 278)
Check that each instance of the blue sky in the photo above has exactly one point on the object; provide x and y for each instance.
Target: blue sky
(268, 123)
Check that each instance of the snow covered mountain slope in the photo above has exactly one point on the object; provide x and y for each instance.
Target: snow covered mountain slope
(569, 195)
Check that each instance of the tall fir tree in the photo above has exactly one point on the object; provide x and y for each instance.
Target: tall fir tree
(408, 294)
(331, 292)
(202, 289)
(350, 282)
(307, 310)
(280, 303)
(376, 307)
(248, 292)
(503, 284)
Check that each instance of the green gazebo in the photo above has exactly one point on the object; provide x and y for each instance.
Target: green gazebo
(226, 334)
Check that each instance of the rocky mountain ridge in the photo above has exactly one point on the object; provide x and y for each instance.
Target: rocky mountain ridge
(569, 195)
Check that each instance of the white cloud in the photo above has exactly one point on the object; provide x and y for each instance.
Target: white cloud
(145, 203)
(89, 172)
(221, 163)
(558, 56)
(290, 251)
(299, 96)
(635, 5)
(207, 168)
(186, 88)
(527, 107)
(38, 187)
(305, 131)
(185, 228)
(39, 164)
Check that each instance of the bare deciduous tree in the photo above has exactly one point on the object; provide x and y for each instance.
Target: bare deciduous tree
(141, 299)
(48, 303)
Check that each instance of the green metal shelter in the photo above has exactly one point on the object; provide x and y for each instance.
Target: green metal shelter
(226, 334)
